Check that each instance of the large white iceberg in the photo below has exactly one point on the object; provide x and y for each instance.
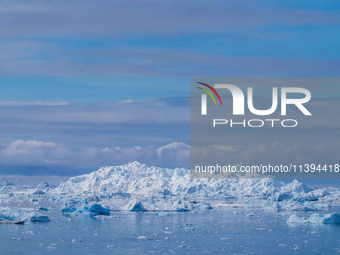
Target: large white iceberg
(173, 189)
(138, 179)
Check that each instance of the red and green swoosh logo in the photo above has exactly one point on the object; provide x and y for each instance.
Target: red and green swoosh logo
(209, 93)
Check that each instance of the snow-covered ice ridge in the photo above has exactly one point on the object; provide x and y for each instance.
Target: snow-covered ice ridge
(137, 187)
(138, 181)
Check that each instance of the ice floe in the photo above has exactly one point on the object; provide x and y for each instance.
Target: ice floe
(316, 218)
(21, 214)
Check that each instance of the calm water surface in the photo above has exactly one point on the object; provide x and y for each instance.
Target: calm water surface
(229, 231)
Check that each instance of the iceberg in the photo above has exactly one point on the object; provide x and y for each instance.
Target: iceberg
(331, 218)
(97, 209)
(296, 219)
(21, 214)
(316, 218)
(39, 219)
(135, 206)
(67, 210)
(92, 211)
(137, 187)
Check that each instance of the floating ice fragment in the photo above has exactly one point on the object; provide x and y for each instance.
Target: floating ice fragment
(331, 218)
(295, 247)
(97, 209)
(182, 210)
(39, 219)
(67, 210)
(316, 218)
(225, 238)
(76, 240)
(296, 219)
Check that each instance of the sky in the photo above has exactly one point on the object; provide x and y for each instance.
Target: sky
(85, 84)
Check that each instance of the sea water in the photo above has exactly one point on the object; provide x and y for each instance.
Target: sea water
(218, 231)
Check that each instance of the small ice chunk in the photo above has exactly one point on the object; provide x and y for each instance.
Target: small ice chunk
(296, 219)
(76, 240)
(295, 247)
(182, 210)
(225, 238)
(97, 209)
(68, 210)
(39, 219)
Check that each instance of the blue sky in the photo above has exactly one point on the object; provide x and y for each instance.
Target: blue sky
(80, 79)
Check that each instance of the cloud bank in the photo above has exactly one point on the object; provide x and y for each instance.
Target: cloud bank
(30, 153)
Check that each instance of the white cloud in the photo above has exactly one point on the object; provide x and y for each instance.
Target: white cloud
(49, 154)
(28, 153)
(275, 152)
(172, 146)
(126, 101)
(177, 151)
(223, 148)
(27, 147)
(33, 152)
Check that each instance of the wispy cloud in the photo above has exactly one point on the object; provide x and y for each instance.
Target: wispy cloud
(32, 103)
(179, 151)
(59, 18)
(164, 62)
(51, 155)
(150, 112)
(126, 123)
